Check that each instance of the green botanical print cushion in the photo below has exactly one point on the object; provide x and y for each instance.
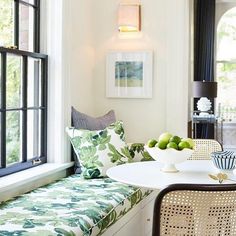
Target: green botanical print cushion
(101, 149)
(72, 206)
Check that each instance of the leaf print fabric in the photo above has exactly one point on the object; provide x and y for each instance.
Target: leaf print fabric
(138, 152)
(99, 150)
(69, 207)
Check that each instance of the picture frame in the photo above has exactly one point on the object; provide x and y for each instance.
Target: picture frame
(129, 74)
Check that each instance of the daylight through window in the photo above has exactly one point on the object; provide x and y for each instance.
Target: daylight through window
(23, 87)
(226, 65)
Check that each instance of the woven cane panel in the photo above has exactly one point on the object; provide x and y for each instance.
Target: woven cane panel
(204, 148)
(198, 213)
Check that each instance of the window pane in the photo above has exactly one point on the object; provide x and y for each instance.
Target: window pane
(13, 137)
(34, 82)
(226, 40)
(6, 22)
(33, 134)
(226, 78)
(26, 28)
(13, 81)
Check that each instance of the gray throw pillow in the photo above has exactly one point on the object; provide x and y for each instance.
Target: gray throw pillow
(83, 121)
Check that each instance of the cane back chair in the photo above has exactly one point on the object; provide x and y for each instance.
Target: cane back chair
(195, 210)
(203, 149)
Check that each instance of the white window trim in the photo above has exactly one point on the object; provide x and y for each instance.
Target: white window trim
(54, 43)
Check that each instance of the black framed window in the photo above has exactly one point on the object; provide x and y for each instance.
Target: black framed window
(19, 24)
(23, 87)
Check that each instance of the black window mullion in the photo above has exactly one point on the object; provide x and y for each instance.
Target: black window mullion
(44, 104)
(24, 105)
(3, 107)
(16, 23)
(37, 26)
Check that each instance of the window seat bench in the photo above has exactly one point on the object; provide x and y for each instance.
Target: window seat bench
(72, 206)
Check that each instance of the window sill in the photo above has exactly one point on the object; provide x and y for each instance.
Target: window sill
(32, 178)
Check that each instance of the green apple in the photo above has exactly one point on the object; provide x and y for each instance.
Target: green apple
(151, 143)
(183, 144)
(190, 141)
(165, 137)
(172, 145)
(175, 139)
(162, 144)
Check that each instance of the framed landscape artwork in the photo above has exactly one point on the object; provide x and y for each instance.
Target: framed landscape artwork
(129, 74)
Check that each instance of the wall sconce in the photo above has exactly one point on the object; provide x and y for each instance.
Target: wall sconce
(129, 18)
(204, 90)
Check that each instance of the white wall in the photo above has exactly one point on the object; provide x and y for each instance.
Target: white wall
(165, 30)
(81, 55)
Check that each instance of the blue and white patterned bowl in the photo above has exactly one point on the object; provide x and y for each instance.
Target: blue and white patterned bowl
(224, 160)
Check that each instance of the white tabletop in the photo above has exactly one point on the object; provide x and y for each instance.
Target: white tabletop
(148, 174)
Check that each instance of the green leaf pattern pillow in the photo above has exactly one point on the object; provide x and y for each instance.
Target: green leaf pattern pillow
(101, 149)
(138, 152)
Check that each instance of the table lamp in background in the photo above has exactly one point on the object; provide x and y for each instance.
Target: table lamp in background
(204, 90)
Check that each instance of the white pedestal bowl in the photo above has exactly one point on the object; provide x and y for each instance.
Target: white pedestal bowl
(169, 157)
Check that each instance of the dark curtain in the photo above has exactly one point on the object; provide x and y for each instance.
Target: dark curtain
(204, 40)
(204, 52)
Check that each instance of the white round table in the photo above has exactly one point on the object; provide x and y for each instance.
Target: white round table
(148, 174)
